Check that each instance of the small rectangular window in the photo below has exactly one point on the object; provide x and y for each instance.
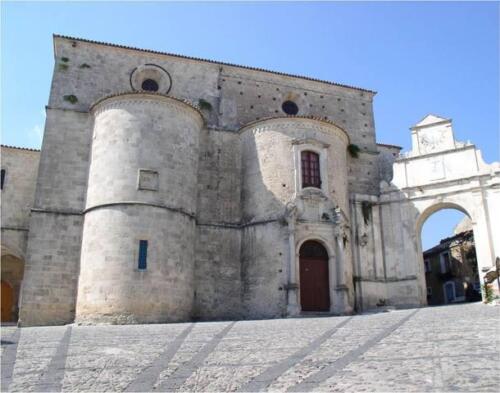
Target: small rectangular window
(427, 264)
(310, 169)
(2, 179)
(143, 255)
(445, 262)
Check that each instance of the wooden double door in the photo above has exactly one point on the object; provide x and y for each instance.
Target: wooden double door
(314, 282)
(7, 302)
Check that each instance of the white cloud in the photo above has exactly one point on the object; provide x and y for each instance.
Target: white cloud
(36, 134)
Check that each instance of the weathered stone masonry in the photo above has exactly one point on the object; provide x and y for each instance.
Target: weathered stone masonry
(207, 170)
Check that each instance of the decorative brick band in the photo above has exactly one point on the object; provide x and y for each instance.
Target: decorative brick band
(286, 122)
(138, 203)
(126, 98)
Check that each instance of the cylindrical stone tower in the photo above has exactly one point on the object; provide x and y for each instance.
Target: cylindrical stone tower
(271, 183)
(271, 163)
(137, 256)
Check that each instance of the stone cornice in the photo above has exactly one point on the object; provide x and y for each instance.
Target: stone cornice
(124, 98)
(139, 203)
(283, 122)
(416, 128)
(403, 158)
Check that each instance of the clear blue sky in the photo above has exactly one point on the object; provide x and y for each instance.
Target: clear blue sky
(426, 57)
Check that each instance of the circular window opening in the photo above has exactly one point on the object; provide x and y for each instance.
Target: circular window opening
(290, 108)
(149, 85)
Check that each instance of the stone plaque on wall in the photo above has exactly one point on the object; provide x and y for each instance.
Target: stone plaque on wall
(436, 168)
(148, 180)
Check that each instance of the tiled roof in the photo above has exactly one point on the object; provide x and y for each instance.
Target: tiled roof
(211, 61)
(388, 145)
(20, 148)
(444, 244)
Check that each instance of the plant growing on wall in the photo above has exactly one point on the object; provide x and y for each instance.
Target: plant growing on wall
(71, 98)
(84, 65)
(204, 104)
(487, 293)
(353, 150)
(62, 65)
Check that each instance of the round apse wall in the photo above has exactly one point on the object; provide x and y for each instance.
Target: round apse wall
(290, 108)
(150, 77)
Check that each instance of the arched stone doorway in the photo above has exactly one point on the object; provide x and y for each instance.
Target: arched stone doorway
(314, 281)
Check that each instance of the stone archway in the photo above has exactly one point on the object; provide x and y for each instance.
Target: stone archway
(451, 271)
(439, 172)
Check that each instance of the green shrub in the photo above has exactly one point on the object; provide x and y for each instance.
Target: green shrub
(62, 67)
(487, 293)
(353, 150)
(64, 59)
(71, 98)
(204, 104)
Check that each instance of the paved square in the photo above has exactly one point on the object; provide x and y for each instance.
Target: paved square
(452, 348)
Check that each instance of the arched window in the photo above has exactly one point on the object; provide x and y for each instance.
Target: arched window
(149, 85)
(310, 169)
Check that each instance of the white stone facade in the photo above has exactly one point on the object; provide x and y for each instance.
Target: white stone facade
(208, 171)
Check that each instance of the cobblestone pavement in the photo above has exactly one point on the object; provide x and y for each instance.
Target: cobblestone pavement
(453, 348)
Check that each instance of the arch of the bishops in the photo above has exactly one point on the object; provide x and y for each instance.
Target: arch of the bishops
(440, 173)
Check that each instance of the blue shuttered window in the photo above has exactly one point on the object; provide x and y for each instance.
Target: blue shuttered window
(143, 254)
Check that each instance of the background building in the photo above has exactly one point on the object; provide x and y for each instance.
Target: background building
(451, 272)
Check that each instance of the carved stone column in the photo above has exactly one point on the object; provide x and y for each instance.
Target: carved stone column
(291, 287)
(340, 303)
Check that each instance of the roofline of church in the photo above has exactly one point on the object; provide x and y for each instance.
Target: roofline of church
(211, 61)
(389, 145)
(20, 148)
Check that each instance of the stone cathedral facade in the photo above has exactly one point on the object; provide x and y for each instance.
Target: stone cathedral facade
(170, 188)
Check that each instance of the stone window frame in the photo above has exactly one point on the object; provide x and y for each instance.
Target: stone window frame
(442, 262)
(143, 187)
(427, 265)
(151, 71)
(452, 283)
(318, 147)
(312, 175)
